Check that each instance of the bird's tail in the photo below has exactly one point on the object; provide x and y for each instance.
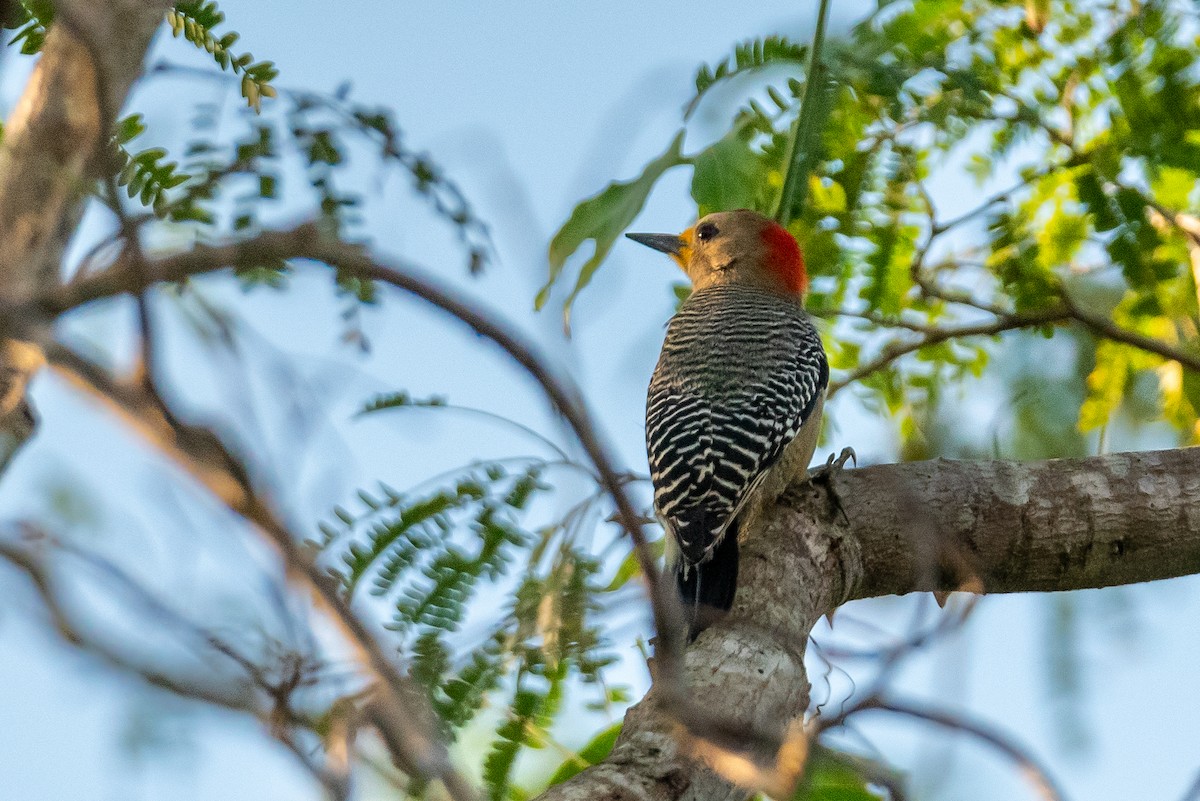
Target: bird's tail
(707, 589)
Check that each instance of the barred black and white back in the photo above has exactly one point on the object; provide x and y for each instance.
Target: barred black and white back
(741, 371)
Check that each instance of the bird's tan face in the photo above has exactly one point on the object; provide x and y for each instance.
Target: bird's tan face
(735, 247)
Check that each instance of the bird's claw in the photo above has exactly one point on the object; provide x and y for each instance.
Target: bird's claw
(824, 475)
(835, 463)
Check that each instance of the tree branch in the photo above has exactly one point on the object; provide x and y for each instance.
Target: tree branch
(132, 275)
(399, 710)
(1062, 524)
(1104, 327)
(47, 156)
(1011, 526)
(1037, 775)
(203, 455)
(1068, 311)
(935, 336)
(47, 159)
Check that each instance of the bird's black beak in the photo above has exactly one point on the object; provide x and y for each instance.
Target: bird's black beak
(667, 243)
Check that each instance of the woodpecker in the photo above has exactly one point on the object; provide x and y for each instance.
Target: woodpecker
(734, 405)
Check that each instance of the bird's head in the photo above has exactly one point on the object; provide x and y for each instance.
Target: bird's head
(735, 247)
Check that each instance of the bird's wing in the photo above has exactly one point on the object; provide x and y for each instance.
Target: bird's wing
(711, 442)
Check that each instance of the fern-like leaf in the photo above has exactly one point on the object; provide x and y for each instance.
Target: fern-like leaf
(195, 21)
(749, 56)
(401, 400)
(146, 175)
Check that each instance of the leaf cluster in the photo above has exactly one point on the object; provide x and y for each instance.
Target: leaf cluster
(1091, 106)
(30, 19)
(433, 557)
(196, 21)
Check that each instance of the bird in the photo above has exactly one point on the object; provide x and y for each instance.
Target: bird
(734, 405)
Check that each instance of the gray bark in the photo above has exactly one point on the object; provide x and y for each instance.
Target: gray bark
(995, 526)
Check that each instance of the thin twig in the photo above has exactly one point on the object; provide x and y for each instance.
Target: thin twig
(1110, 330)
(24, 559)
(278, 692)
(1031, 769)
(485, 414)
(929, 289)
(999, 197)
(880, 320)
(1067, 312)
(306, 241)
(401, 713)
(891, 654)
(897, 349)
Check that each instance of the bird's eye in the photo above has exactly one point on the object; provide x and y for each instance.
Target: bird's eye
(706, 231)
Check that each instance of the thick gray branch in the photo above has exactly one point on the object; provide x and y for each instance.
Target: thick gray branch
(1063, 524)
(999, 526)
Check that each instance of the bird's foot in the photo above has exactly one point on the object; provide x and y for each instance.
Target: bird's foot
(824, 475)
(835, 463)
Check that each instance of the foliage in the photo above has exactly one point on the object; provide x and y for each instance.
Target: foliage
(195, 21)
(428, 555)
(602, 219)
(751, 56)
(146, 175)
(832, 776)
(30, 18)
(591, 754)
(1092, 106)
(319, 130)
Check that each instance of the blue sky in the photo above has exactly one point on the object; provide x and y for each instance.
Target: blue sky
(530, 107)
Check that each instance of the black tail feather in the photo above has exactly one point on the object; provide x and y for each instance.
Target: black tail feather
(707, 589)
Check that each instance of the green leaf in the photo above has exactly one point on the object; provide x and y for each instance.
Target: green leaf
(195, 21)
(1060, 238)
(602, 219)
(888, 271)
(728, 175)
(631, 567)
(682, 290)
(1174, 187)
(401, 400)
(806, 131)
(150, 155)
(591, 754)
(748, 56)
(1091, 193)
(1191, 391)
(129, 128)
(1106, 386)
(830, 776)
